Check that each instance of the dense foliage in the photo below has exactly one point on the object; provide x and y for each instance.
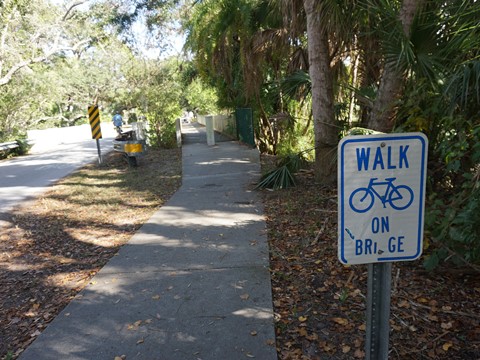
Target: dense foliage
(311, 70)
(55, 60)
(387, 65)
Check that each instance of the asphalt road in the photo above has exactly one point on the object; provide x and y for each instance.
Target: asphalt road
(56, 153)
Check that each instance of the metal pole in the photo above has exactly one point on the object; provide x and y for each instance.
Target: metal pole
(99, 152)
(378, 310)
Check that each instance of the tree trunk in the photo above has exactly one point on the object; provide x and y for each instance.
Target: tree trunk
(384, 111)
(325, 129)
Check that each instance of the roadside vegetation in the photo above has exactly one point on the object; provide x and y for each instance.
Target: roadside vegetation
(320, 305)
(312, 71)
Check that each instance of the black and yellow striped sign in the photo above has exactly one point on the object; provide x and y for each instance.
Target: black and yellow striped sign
(94, 118)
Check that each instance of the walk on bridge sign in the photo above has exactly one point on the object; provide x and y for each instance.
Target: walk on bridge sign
(381, 197)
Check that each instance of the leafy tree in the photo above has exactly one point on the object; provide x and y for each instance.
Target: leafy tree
(32, 32)
(201, 98)
(230, 42)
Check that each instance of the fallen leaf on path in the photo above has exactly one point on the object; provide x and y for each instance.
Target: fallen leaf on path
(244, 296)
(135, 325)
(270, 342)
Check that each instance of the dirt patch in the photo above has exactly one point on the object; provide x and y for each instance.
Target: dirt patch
(320, 304)
(52, 247)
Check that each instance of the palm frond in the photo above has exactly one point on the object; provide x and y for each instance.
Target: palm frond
(297, 85)
(280, 178)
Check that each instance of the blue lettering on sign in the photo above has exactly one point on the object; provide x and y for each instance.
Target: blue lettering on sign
(403, 156)
(378, 161)
(396, 244)
(362, 158)
(365, 247)
(381, 225)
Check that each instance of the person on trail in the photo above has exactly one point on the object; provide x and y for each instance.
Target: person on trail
(118, 122)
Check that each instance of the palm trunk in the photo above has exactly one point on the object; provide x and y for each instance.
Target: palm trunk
(326, 133)
(384, 111)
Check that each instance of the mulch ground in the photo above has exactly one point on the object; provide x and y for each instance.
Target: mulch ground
(320, 304)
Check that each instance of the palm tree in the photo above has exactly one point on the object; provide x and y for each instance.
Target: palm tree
(393, 76)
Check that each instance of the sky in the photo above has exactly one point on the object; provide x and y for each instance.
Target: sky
(174, 40)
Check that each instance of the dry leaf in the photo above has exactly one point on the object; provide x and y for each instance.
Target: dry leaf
(340, 321)
(270, 342)
(302, 332)
(360, 354)
(346, 349)
(446, 326)
(302, 318)
(447, 346)
(156, 297)
(244, 296)
(135, 325)
(253, 333)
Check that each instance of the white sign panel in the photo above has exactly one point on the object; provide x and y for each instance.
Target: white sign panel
(381, 197)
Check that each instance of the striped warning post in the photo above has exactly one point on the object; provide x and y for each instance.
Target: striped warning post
(94, 118)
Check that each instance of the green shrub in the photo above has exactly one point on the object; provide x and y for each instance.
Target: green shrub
(453, 209)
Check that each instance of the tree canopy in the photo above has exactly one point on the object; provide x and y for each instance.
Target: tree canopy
(55, 59)
(310, 70)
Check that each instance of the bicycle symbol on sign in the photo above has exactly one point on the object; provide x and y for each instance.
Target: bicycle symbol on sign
(399, 197)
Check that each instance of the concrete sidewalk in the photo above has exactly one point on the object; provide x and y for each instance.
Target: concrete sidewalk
(193, 283)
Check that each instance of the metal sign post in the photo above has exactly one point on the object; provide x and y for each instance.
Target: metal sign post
(381, 204)
(94, 119)
(378, 311)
